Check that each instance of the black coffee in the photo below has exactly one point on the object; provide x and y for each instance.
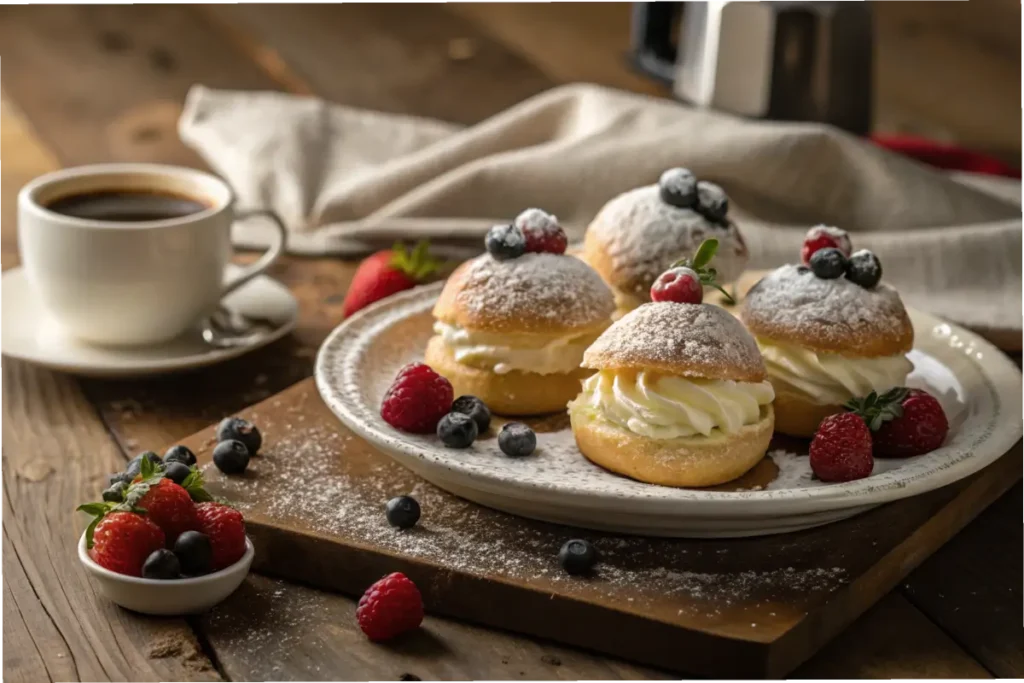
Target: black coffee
(126, 205)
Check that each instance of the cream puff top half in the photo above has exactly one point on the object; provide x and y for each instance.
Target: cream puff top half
(535, 313)
(829, 340)
(668, 370)
(636, 237)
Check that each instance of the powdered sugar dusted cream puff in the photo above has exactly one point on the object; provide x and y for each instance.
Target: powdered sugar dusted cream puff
(679, 398)
(829, 331)
(511, 326)
(637, 235)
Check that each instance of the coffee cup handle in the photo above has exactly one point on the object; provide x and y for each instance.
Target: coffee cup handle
(269, 256)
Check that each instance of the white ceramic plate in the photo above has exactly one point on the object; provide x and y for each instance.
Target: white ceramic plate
(29, 334)
(978, 386)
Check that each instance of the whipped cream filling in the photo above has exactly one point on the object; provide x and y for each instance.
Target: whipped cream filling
(661, 406)
(503, 353)
(830, 378)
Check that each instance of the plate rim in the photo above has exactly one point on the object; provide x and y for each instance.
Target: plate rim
(998, 371)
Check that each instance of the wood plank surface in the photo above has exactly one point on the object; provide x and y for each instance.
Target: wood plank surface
(730, 603)
(417, 59)
(106, 83)
(972, 587)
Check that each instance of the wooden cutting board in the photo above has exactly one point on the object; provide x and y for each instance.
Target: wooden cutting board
(314, 503)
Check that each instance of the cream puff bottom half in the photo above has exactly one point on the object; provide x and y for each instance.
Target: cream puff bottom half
(511, 393)
(690, 461)
(796, 415)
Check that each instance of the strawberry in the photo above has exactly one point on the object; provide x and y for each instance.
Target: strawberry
(167, 504)
(388, 272)
(841, 448)
(905, 421)
(121, 541)
(390, 607)
(226, 530)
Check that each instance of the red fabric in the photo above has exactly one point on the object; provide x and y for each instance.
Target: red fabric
(945, 156)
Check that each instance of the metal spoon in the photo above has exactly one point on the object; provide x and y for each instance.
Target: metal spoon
(227, 328)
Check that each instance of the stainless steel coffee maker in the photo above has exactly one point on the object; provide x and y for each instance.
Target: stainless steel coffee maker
(798, 61)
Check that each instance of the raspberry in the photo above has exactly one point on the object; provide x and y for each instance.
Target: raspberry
(122, 541)
(841, 448)
(821, 236)
(905, 422)
(390, 607)
(225, 528)
(542, 232)
(680, 284)
(417, 399)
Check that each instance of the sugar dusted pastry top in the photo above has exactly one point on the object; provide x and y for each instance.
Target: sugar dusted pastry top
(690, 340)
(534, 293)
(792, 305)
(637, 235)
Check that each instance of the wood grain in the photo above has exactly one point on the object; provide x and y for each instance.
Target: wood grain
(417, 59)
(743, 607)
(106, 83)
(273, 629)
(971, 587)
(56, 454)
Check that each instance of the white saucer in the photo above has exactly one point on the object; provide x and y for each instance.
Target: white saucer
(30, 335)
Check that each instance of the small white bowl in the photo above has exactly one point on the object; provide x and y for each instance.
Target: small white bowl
(172, 597)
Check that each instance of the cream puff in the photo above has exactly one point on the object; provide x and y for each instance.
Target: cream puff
(679, 397)
(639, 234)
(511, 325)
(829, 331)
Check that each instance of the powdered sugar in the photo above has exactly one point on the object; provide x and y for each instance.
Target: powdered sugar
(792, 299)
(559, 292)
(537, 220)
(644, 235)
(304, 480)
(700, 340)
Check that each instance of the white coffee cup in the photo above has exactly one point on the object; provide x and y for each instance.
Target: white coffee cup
(132, 282)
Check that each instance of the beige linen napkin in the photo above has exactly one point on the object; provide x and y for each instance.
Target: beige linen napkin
(346, 181)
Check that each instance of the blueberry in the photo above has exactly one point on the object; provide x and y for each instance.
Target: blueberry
(194, 553)
(678, 187)
(161, 564)
(177, 472)
(231, 457)
(402, 512)
(237, 429)
(505, 242)
(516, 439)
(864, 268)
(119, 476)
(180, 454)
(457, 430)
(828, 263)
(712, 202)
(135, 464)
(115, 494)
(577, 557)
(476, 409)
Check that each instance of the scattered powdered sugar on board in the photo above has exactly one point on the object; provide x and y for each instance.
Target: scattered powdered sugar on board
(303, 480)
(643, 235)
(696, 340)
(549, 289)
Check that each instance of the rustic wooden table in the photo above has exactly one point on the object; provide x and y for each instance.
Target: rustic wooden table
(87, 84)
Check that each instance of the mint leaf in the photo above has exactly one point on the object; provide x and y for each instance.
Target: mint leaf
(705, 252)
